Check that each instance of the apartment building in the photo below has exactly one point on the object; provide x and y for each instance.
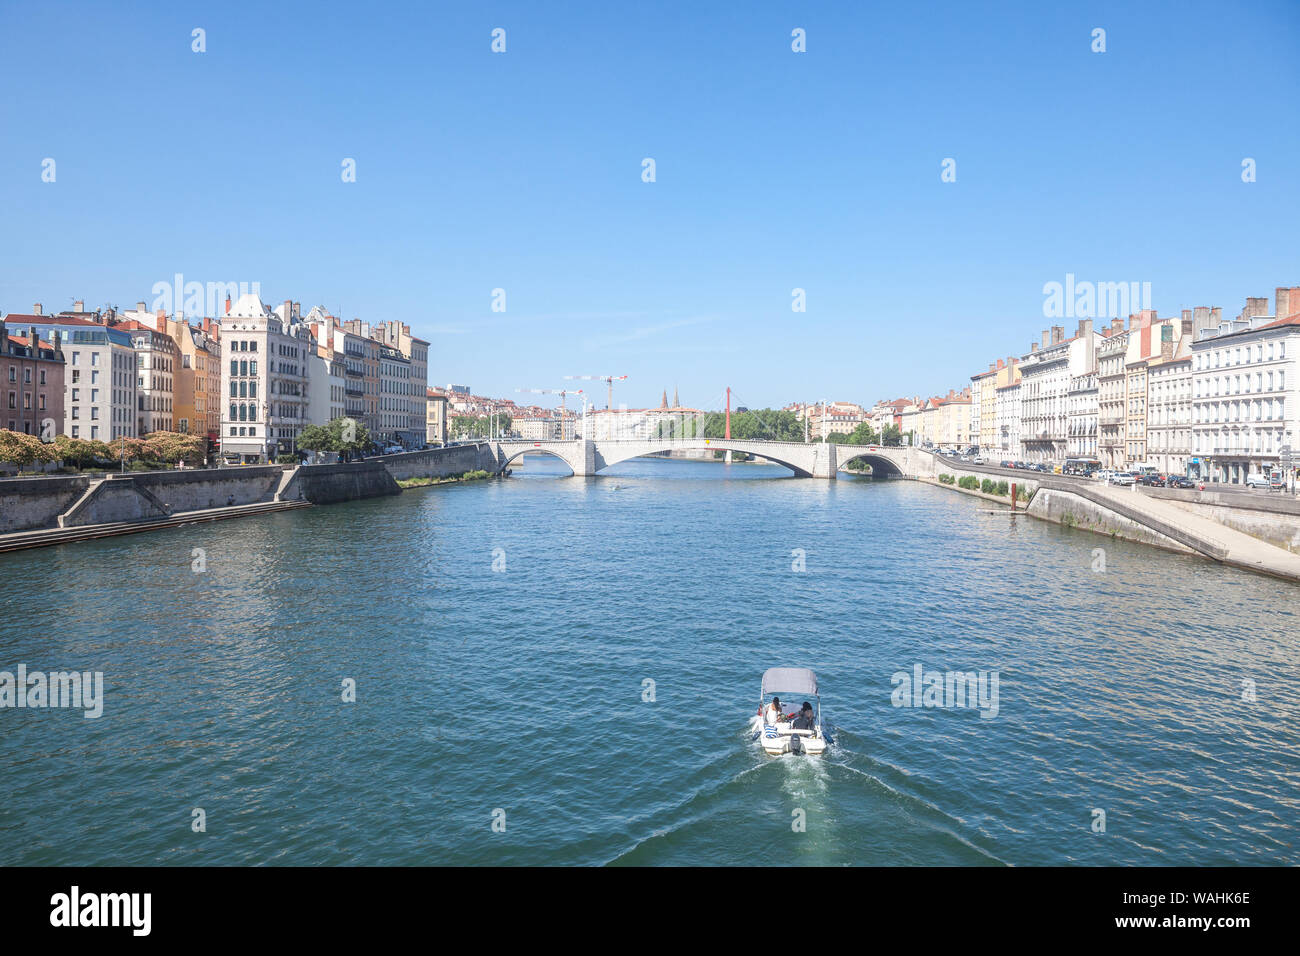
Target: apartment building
(31, 383)
(1112, 353)
(1245, 393)
(1169, 402)
(99, 379)
(156, 359)
(395, 406)
(1046, 375)
(415, 350)
(1081, 416)
(196, 379)
(264, 381)
(1006, 411)
(435, 431)
(371, 379)
(983, 408)
(326, 384)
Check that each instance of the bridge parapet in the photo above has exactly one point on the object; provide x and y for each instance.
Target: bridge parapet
(805, 459)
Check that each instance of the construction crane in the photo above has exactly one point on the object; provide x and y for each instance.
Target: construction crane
(607, 379)
(562, 392)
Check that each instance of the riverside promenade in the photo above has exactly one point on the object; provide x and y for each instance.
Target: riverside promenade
(1173, 521)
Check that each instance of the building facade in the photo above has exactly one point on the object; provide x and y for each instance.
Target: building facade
(99, 378)
(264, 382)
(1244, 391)
(31, 371)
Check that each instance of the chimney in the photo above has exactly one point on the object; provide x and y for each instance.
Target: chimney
(227, 303)
(1187, 315)
(79, 306)
(32, 340)
(1047, 337)
(1058, 334)
(36, 309)
(1287, 302)
(58, 342)
(4, 337)
(1116, 325)
(1085, 328)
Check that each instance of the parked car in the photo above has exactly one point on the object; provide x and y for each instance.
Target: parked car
(1257, 481)
(1180, 481)
(1120, 478)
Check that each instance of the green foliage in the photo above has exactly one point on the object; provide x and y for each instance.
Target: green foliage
(864, 434)
(946, 479)
(755, 425)
(1001, 488)
(480, 426)
(969, 482)
(987, 486)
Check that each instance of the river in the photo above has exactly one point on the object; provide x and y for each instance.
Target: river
(560, 671)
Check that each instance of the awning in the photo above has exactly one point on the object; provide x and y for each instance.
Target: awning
(789, 680)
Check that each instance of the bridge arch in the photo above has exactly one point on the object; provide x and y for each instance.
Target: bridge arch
(506, 457)
(882, 466)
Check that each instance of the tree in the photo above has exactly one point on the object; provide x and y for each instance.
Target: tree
(315, 438)
(127, 449)
(347, 436)
(173, 447)
(23, 450)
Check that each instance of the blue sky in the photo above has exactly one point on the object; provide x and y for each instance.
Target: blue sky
(775, 170)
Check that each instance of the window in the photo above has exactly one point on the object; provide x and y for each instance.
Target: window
(234, 367)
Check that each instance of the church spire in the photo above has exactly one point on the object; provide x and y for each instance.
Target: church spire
(664, 403)
(676, 404)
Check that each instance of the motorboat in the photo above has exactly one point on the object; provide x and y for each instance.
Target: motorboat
(781, 736)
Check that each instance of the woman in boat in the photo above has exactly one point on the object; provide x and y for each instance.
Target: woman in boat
(805, 719)
(774, 714)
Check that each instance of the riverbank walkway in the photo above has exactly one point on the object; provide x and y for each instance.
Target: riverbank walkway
(46, 537)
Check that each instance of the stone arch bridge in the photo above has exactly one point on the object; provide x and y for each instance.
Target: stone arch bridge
(805, 459)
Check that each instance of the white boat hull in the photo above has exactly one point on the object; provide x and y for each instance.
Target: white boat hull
(781, 739)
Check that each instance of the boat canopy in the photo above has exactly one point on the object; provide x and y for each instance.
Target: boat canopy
(789, 680)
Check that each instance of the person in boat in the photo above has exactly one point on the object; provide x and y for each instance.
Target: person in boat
(773, 714)
(805, 720)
